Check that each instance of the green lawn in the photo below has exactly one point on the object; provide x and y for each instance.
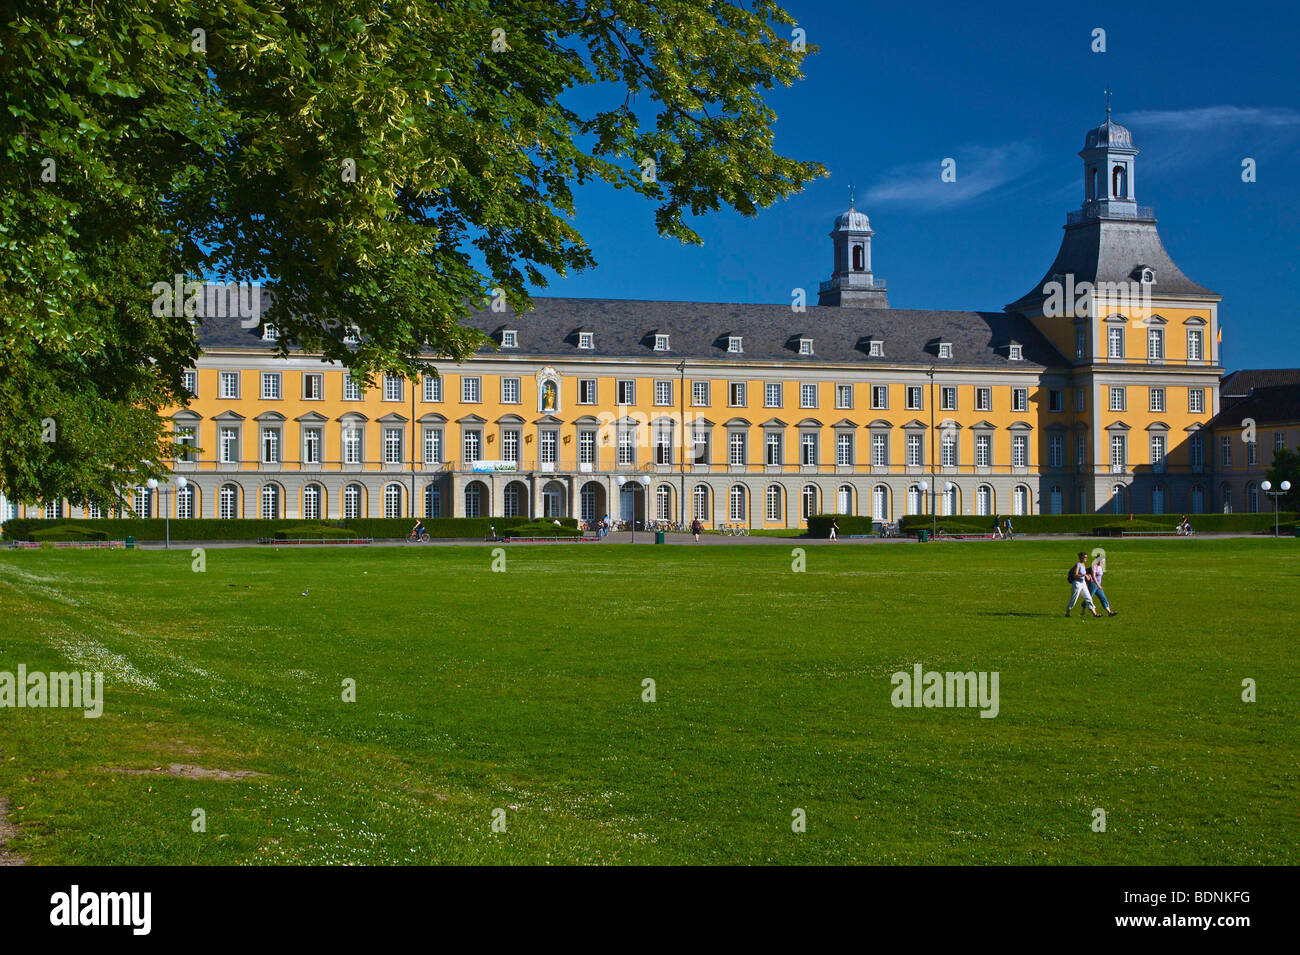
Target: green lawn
(522, 691)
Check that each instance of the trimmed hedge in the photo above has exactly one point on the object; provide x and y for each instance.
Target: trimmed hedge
(544, 528)
(315, 532)
(69, 532)
(819, 525)
(376, 528)
(1085, 524)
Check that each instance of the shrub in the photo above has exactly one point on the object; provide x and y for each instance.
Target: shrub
(316, 532)
(819, 525)
(69, 532)
(544, 528)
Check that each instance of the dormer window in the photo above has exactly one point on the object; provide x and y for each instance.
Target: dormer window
(586, 340)
(1148, 276)
(352, 336)
(661, 343)
(269, 333)
(877, 350)
(945, 349)
(734, 344)
(805, 346)
(509, 338)
(1015, 353)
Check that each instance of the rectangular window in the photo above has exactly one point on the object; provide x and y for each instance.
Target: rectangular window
(625, 449)
(1115, 342)
(509, 338)
(547, 442)
(393, 387)
(663, 444)
(948, 450)
(1055, 400)
(392, 445)
(511, 393)
(914, 447)
(1225, 451)
(661, 343)
(1020, 450)
(1117, 402)
(191, 382)
(1019, 399)
(1080, 344)
(1156, 401)
(880, 450)
(844, 449)
(1157, 452)
(773, 442)
(1252, 453)
(736, 448)
(700, 394)
(983, 450)
(947, 398)
(432, 445)
(1118, 453)
(879, 397)
(844, 397)
(185, 437)
(351, 445)
(808, 448)
(625, 392)
(1055, 451)
(1155, 344)
(772, 395)
(807, 396)
(432, 388)
(663, 392)
(471, 389)
(228, 385)
(586, 447)
(586, 391)
(270, 445)
(471, 441)
(734, 344)
(352, 390)
(914, 398)
(1196, 400)
(700, 444)
(1081, 449)
(586, 340)
(1080, 400)
(983, 399)
(1193, 344)
(1196, 452)
(311, 442)
(510, 445)
(736, 394)
(313, 386)
(1279, 442)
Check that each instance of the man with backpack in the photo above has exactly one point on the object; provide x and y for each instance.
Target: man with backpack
(1078, 578)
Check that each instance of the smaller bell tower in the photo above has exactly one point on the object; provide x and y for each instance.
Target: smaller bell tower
(851, 281)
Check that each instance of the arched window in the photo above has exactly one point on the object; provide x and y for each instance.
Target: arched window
(1225, 495)
(474, 499)
(700, 502)
(915, 500)
(352, 497)
(809, 501)
(858, 261)
(141, 502)
(844, 499)
(185, 497)
(663, 503)
(1118, 498)
(392, 500)
(1020, 500)
(1252, 498)
(951, 502)
(1055, 499)
(736, 502)
(587, 500)
(1159, 499)
(1093, 180)
(313, 497)
(1198, 499)
(553, 500)
(984, 500)
(270, 502)
(510, 500)
(432, 500)
(52, 509)
(880, 503)
(773, 497)
(228, 502)
(1119, 182)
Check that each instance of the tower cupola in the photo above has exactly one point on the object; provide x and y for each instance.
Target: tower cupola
(852, 282)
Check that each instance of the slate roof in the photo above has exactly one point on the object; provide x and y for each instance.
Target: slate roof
(625, 329)
(1111, 250)
(1239, 383)
(1269, 395)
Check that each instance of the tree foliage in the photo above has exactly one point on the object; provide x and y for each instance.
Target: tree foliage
(1286, 467)
(380, 165)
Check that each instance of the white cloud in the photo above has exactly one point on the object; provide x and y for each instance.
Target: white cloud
(980, 170)
(1212, 117)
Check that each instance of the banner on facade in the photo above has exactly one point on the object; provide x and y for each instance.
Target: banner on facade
(490, 466)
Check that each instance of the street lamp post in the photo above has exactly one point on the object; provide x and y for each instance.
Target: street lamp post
(934, 521)
(641, 483)
(681, 465)
(153, 485)
(1283, 488)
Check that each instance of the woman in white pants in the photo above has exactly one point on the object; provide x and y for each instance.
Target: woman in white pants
(1079, 588)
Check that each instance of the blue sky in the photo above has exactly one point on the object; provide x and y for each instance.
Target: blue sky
(897, 88)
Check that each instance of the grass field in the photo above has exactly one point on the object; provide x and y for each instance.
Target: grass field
(522, 691)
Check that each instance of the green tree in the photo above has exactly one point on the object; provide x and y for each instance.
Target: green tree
(1286, 467)
(380, 165)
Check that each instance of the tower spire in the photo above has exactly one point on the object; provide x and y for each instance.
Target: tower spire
(1108, 106)
(850, 195)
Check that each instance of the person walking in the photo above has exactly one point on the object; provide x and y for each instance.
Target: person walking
(1008, 532)
(1095, 573)
(696, 529)
(1078, 577)
(835, 529)
(997, 528)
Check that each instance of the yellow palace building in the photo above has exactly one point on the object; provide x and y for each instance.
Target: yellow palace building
(1089, 394)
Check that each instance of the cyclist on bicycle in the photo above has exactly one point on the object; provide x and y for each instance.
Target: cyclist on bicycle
(417, 532)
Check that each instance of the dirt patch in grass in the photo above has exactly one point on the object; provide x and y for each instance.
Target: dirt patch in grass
(7, 832)
(187, 771)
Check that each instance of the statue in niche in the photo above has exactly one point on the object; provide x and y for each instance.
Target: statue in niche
(550, 395)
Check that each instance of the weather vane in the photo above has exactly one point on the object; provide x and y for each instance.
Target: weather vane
(1108, 106)
(850, 195)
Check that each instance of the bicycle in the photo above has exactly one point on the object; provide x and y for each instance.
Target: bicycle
(422, 538)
